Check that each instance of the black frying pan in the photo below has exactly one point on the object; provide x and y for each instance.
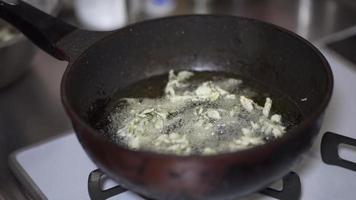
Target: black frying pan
(101, 63)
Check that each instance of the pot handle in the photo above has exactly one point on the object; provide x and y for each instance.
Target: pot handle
(42, 29)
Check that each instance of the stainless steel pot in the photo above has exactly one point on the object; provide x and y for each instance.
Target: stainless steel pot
(16, 53)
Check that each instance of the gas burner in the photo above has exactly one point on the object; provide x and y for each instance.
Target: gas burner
(95, 184)
(291, 183)
(330, 150)
(291, 189)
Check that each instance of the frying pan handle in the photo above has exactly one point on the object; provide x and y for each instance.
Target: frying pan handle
(42, 29)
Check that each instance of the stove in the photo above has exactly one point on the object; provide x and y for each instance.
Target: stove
(289, 188)
(60, 169)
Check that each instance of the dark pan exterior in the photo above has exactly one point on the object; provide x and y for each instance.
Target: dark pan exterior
(247, 47)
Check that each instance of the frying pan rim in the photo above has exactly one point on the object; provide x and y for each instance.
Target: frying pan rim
(290, 134)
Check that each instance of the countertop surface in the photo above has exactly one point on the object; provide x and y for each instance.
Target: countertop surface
(31, 110)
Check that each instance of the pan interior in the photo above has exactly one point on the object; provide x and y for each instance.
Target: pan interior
(258, 52)
(153, 87)
(184, 119)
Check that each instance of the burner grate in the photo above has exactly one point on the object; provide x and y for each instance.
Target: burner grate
(291, 188)
(330, 150)
(94, 187)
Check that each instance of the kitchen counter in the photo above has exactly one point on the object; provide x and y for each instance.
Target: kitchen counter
(31, 111)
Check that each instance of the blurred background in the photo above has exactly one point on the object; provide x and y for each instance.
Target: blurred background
(311, 19)
(30, 107)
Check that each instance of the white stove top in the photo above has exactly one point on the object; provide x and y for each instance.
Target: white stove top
(59, 168)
